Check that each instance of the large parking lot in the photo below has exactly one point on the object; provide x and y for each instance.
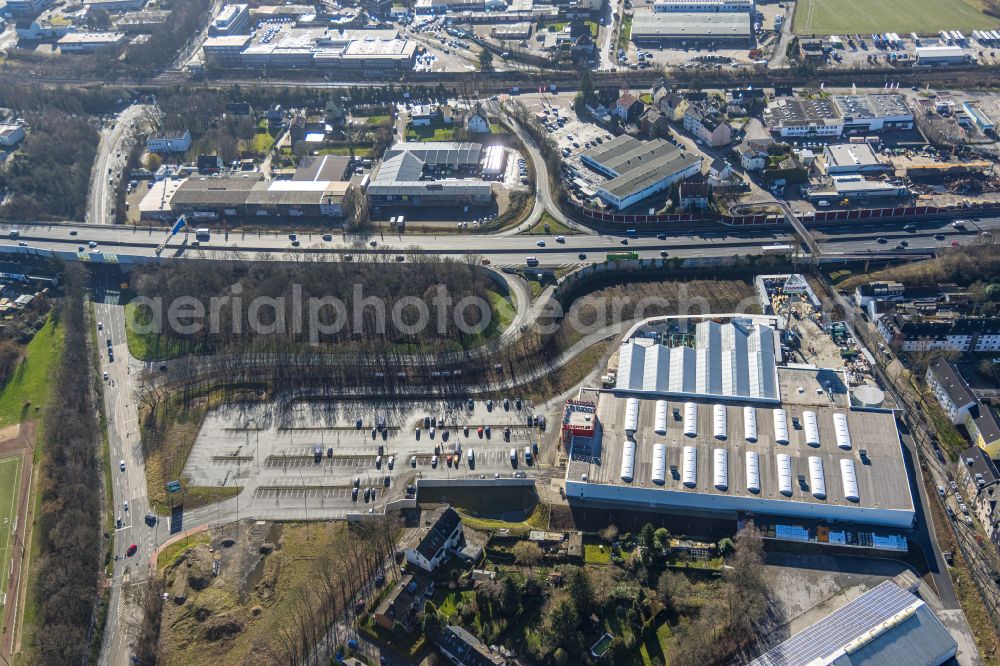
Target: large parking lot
(304, 459)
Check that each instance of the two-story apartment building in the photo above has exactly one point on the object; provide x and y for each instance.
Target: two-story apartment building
(171, 141)
(440, 536)
(404, 602)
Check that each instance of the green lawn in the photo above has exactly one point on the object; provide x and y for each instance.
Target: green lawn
(447, 601)
(555, 227)
(375, 121)
(344, 150)
(169, 554)
(592, 553)
(262, 142)
(152, 346)
(10, 474)
(626, 32)
(30, 383)
(837, 17)
(430, 133)
(652, 647)
(503, 310)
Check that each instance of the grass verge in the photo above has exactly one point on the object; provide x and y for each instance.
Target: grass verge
(538, 520)
(555, 227)
(625, 33)
(169, 554)
(569, 375)
(27, 390)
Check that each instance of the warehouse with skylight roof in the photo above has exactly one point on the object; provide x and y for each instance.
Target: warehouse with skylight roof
(722, 428)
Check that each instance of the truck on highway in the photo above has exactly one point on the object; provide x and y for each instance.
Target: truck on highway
(777, 248)
(202, 234)
(14, 233)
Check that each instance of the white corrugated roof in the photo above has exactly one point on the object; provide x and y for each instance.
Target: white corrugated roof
(731, 360)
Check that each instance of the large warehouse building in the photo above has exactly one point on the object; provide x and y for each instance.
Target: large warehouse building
(360, 52)
(672, 28)
(799, 451)
(638, 169)
(436, 173)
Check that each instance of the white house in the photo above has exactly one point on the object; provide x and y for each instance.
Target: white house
(173, 141)
(753, 154)
(477, 121)
(439, 536)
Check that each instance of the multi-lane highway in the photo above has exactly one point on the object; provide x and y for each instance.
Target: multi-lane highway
(118, 243)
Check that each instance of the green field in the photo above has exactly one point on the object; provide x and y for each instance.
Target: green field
(838, 17)
(10, 481)
(30, 382)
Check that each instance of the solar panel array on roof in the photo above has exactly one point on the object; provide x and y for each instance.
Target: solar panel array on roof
(838, 634)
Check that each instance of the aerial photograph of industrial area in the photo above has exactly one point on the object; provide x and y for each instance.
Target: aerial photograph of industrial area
(499, 332)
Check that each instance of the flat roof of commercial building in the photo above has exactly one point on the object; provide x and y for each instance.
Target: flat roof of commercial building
(91, 38)
(223, 41)
(160, 195)
(381, 48)
(789, 111)
(296, 193)
(322, 168)
(695, 25)
(881, 105)
(881, 480)
(856, 155)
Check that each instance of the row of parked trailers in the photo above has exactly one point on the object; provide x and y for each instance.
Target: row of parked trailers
(952, 37)
(987, 37)
(720, 471)
(888, 40)
(810, 424)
